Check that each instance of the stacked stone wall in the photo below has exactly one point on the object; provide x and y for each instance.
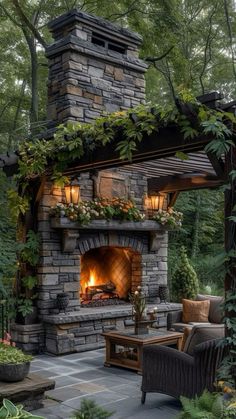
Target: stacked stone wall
(86, 79)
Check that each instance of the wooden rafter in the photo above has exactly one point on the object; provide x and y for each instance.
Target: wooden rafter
(182, 183)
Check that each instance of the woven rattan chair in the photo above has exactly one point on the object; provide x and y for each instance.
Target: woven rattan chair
(169, 371)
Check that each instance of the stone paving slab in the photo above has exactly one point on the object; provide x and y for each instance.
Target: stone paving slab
(83, 375)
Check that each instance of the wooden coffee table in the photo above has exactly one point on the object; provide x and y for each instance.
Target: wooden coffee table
(124, 349)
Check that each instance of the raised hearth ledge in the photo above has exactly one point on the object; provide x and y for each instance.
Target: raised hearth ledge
(71, 230)
(105, 312)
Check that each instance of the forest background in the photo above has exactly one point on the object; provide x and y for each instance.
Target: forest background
(188, 44)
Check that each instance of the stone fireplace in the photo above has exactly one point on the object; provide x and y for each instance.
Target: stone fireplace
(93, 67)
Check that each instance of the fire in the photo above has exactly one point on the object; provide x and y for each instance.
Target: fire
(92, 277)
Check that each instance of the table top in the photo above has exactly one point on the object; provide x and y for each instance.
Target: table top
(152, 335)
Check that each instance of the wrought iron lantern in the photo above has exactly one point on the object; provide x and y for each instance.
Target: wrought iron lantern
(72, 192)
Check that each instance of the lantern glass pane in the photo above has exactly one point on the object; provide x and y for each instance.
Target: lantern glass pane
(75, 194)
(154, 202)
(161, 201)
(67, 194)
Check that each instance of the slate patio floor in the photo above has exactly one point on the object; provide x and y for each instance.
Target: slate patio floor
(82, 375)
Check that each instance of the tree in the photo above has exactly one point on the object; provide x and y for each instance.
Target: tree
(186, 43)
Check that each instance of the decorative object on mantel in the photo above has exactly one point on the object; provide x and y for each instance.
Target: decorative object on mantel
(169, 218)
(72, 192)
(163, 293)
(108, 209)
(62, 301)
(114, 209)
(141, 320)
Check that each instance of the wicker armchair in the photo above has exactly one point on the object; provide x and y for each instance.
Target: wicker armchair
(169, 371)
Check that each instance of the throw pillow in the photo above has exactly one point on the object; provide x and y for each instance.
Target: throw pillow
(216, 309)
(195, 311)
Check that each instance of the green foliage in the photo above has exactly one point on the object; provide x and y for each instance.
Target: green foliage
(29, 251)
(85, 211)
(17, 204)
(11, 355)
(202, 234)
(29, 281)
(8, 245)
(184, 279)
(208, 406)
(72, 140)
(90, 410)
(24, 305)
(11, 411)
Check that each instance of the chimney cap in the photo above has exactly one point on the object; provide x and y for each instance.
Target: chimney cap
(94, 22)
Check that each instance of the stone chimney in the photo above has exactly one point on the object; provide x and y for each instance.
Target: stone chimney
(93, 67)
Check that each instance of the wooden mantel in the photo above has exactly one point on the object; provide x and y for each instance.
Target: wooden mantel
(71, 230)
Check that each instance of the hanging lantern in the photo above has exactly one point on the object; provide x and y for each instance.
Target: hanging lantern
(72, 192)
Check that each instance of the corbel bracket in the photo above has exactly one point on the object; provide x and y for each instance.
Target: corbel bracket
(69, 240)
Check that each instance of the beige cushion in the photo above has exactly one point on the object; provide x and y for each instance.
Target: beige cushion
(200, 334)
(179, 327)
(216, 310)
(195, 311)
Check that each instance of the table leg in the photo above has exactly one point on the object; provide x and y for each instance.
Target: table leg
(179, 343)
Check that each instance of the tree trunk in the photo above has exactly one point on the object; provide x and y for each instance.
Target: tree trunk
(195, 242)
(31, 41)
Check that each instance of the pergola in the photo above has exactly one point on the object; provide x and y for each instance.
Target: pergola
(156, 158)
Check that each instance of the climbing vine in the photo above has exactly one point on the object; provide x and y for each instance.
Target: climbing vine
(125, 130)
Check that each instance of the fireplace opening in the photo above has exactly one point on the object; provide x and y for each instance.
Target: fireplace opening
(108, 275)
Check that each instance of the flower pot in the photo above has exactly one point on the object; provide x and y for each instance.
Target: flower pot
(62, 300)
(14, 372)
(141, 327)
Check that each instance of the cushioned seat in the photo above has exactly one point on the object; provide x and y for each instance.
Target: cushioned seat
(175, 319)
(179, 327)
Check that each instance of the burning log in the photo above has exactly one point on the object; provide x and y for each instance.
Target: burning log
(109, 287)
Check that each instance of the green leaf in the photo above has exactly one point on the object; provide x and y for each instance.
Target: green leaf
(182, 156)
(3, 413)
(11, 408)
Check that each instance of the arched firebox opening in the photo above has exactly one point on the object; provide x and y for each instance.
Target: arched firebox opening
(108, 275)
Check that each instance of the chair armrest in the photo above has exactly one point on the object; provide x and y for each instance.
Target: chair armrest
(167, 370)
(160, 352)
(174, 317)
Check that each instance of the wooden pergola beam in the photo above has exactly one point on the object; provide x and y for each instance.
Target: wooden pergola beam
(164, 143)
(182, 183)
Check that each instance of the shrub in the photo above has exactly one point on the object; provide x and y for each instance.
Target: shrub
(184, 279)
(90, 410)
(208, 406)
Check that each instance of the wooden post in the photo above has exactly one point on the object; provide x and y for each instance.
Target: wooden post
(230, 226)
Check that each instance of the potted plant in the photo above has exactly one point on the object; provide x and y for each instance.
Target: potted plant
(14, 364)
